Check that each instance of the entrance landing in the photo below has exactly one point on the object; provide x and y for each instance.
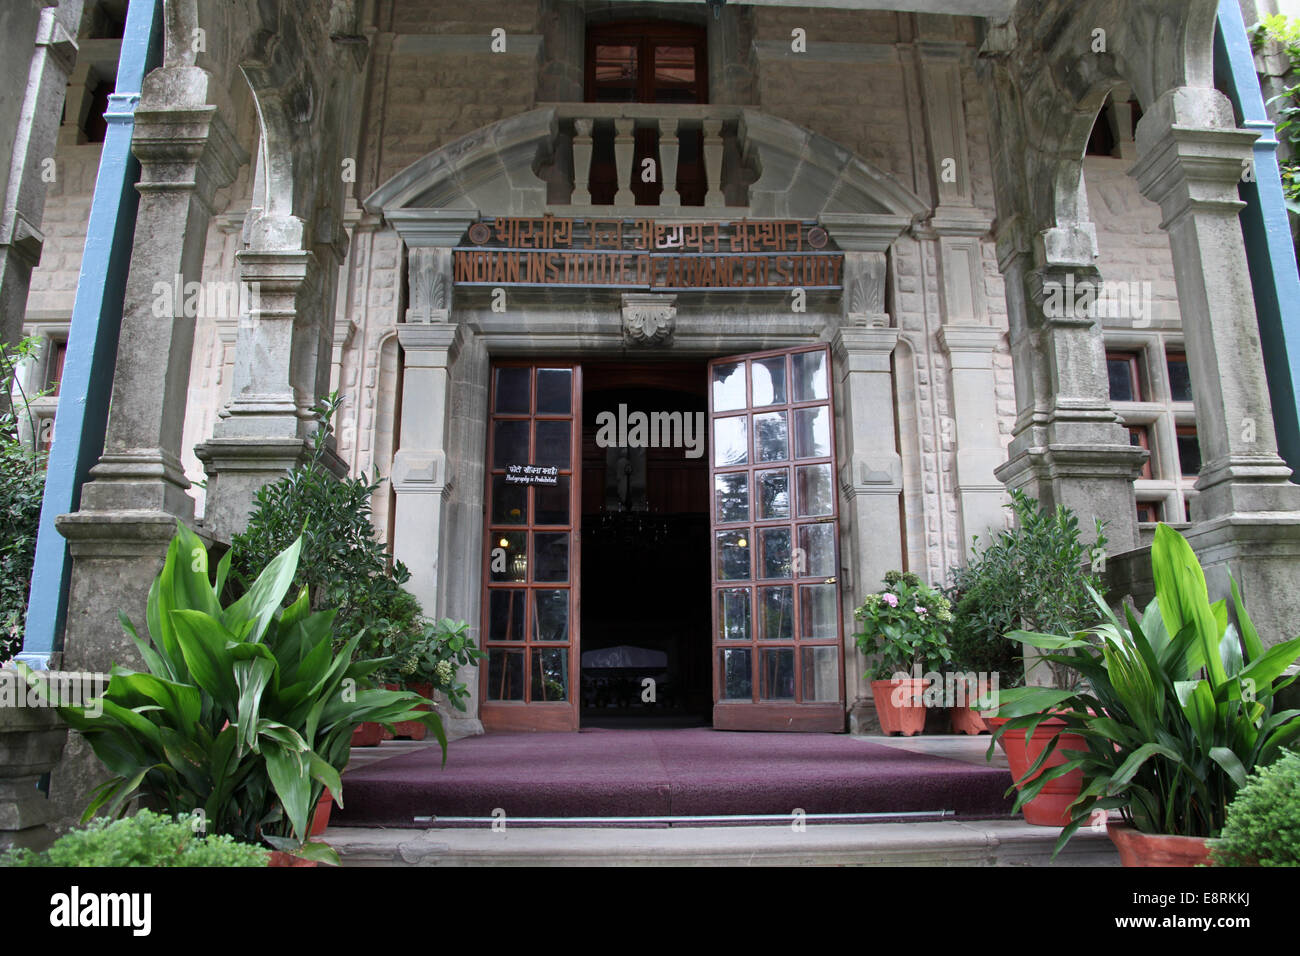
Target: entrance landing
(649, 773)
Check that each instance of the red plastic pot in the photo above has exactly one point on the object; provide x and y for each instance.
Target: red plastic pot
(1157, 849)
(1049, 808)
(966, 720)
(900, 705)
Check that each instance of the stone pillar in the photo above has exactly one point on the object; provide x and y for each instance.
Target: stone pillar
(421, 484)
(1069, 447)
(970, 350)
(31, 742)
(1247, 512)
(281, 369)
(871, 484)
(137, 492)
(44, 77)
(1192, 161)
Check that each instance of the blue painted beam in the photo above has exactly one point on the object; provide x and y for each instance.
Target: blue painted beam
(87, 383)
(1267, 232)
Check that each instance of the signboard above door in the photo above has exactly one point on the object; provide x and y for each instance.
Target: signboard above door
(648, 255)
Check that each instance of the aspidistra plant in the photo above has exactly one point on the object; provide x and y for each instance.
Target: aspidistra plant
(246, 712)
(1176, 708)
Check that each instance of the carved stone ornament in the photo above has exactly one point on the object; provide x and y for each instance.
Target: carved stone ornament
(649, 319)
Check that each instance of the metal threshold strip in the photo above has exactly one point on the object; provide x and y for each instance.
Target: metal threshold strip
(740, 819)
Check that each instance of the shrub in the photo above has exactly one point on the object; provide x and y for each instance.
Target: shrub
(906, 624)
(1029, 578)
(22, 486)
(1263, 825)
(344, 566)
(434, 657)
(146, 839)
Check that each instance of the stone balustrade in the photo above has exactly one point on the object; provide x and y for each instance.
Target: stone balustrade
(697, 153)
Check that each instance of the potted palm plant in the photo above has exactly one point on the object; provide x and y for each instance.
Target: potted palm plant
(905, 627)
(1174, 710)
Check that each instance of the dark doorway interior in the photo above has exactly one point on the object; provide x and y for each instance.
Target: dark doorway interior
(645, 553)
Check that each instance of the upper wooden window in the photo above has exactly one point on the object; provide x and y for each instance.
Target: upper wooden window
(646, 61)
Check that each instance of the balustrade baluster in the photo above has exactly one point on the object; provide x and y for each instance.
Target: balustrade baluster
(624, 147)
(582, 161)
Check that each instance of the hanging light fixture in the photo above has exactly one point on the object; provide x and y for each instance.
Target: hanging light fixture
(716, 7)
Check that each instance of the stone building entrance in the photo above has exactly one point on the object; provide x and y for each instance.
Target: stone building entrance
(661, 540)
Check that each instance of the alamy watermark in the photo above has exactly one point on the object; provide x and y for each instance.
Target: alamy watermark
(960, 689)
(1108, 299)
(624, 429)
(48, 689)
(213, 299)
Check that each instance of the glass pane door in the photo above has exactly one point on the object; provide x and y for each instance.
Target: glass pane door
(530, 615)
(776, 621)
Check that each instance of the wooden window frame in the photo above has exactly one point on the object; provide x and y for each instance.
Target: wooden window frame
(1135, 372)
(1143, 433)
(645, 34)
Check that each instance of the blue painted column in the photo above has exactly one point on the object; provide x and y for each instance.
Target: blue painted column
(1267, 232)
(87, 382)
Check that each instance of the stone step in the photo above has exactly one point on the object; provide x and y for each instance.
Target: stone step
(938, 843)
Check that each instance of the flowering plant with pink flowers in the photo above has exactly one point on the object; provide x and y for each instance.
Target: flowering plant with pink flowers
(905, 627)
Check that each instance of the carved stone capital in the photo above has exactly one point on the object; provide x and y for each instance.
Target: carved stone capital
(648, 319)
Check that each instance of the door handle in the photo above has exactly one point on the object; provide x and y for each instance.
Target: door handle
(829, 581)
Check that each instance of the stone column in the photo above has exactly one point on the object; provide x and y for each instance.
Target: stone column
(129, 509)
(281, 370)
(1247, 512)
(970, 350)
(421, 484)
(871, 483)
(31, 742)
(43, 75)
(1069, 446)
(1192, 161)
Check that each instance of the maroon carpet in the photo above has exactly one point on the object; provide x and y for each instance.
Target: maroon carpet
(611, 773)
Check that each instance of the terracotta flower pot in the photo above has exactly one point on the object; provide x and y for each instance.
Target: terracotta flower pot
(280, 858)
(1157, 849)
(966, 720)
(1049, 808)
(367, 735)
(907, 715)
(413, 729)
(320, 818)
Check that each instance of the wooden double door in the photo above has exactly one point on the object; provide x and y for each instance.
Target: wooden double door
(776, 641)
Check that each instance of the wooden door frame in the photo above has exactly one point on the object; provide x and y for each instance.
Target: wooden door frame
(497, 715)
(820, 716)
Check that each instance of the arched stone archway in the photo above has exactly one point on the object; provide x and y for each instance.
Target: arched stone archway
(1050, 67)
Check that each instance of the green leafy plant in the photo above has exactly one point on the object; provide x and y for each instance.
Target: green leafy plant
(246, 711)
(1263, 821)
(22, 488)
(343, 564)
(1033, 577)
(434, 657)
(1286, 31)
(146, 839)
(1176, 708)
(906, 624)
